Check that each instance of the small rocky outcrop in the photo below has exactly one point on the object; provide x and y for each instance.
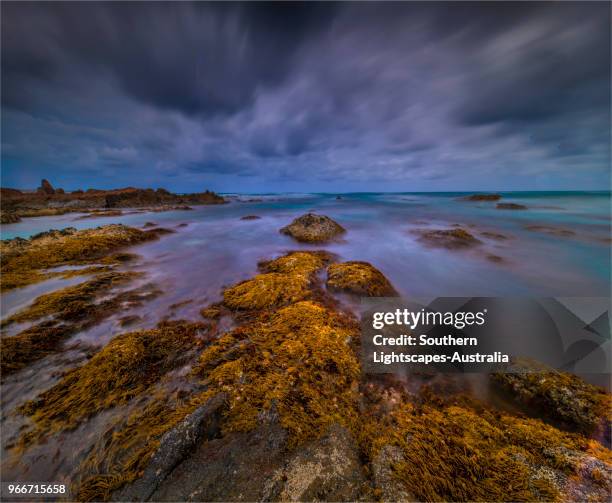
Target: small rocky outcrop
(562, 396)
(250, 217)
(510, 206)
(312, 228)
(360, 278)
(46, 187)
(448, 238)
(483, 197)
(9, 217)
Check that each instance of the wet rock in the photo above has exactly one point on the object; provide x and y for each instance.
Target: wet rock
(338, 198)
(560, 395)
(483, 197)
(510, 206)
(448, 238)
(174, 447)
(9, 217)
(384, 478)
(250, 217)
(360, 278)
(235, 467)
(327, 469)
(45, 187)
(311, 228)
(149, 224)
(126, 321)
(494, 235)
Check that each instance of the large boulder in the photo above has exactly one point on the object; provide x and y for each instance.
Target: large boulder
(311, 228)
(359, 278)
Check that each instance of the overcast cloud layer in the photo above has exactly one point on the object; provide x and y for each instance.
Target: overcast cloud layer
(316, 97)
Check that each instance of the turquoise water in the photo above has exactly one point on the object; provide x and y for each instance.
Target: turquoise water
(216, 248)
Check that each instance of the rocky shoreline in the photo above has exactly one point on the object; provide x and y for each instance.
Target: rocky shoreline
(276, 407)
(47, 201)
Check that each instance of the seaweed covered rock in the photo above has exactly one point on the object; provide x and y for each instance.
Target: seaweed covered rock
(311, 228)
(560, 395)
(9, 217)
(284, 280)
(24, 261)
(456, 453)
(448, 238)
(64, 312)
(298, 358)
(129, 365)
(360, 278)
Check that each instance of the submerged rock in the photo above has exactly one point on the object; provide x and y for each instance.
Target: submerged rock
(360, 278)
(553, 231)
(510, 206)
(494, 235)
(311, 228)
(250, 217)
(448, 238)
(483, 197)
(560, 395)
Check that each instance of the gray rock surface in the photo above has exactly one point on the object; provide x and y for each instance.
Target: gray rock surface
(327, 469)
(175, 446)
(391, 489)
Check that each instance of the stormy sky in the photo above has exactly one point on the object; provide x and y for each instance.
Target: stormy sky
(307, 97)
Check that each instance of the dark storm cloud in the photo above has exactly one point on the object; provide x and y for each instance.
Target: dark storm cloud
(195, 58)
(308, 96)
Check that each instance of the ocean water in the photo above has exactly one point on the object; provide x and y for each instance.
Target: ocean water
(216, 248)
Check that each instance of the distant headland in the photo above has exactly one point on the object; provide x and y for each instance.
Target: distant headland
(47, 200)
